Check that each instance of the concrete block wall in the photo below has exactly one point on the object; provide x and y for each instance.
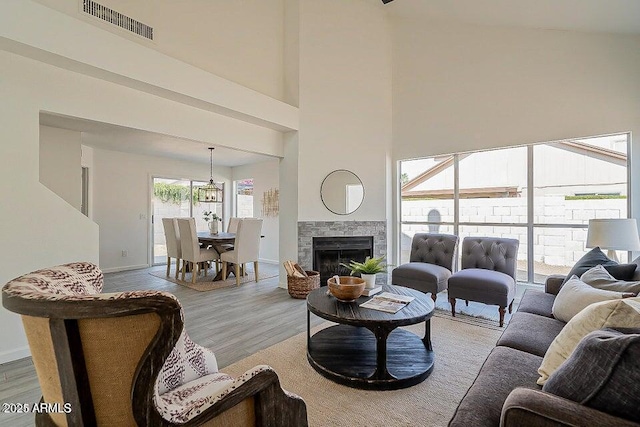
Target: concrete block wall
(552, 246)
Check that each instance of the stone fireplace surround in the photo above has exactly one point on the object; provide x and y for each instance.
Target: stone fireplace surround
(307, 230)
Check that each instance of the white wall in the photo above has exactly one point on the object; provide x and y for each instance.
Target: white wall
(60, 166)
(122, 194)
(231, 39)
(345, 103)
(37, 227)
(265, 177)
(463, 87)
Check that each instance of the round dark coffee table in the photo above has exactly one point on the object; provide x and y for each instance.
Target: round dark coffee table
(366, 350)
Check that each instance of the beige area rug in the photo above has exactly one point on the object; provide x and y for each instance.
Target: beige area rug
(460, 349)
(204, 284)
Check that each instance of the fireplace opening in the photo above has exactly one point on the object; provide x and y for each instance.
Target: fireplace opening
(329, 252)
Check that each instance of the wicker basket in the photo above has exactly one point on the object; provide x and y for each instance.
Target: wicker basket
(299, 287)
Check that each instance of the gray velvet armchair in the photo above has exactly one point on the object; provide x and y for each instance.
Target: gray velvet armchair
(430, 263)
(488, 273)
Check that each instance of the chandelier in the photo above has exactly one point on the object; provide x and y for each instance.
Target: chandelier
(210, 193)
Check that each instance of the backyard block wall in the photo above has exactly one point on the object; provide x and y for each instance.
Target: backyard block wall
(552, 246)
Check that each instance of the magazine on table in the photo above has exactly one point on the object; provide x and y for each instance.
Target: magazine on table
(387, 302)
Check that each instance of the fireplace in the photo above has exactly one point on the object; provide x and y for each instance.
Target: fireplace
(329, 252)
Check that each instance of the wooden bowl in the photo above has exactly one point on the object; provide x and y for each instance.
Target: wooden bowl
(348, 290)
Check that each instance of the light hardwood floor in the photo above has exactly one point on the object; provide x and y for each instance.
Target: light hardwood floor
(234, 322)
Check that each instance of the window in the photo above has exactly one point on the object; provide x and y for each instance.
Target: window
(543, 195)
(244, 198)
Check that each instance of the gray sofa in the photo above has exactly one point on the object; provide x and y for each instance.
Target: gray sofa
(505, 392)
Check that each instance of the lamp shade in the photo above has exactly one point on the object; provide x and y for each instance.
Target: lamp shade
(613, 234)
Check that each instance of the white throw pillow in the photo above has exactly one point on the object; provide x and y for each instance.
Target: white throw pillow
(600, 278)
(624, 313)
(576, 295)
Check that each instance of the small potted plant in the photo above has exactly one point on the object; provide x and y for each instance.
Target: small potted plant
(367, 269)
(212, 219)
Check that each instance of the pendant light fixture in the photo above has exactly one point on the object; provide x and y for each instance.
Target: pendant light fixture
(210, 193)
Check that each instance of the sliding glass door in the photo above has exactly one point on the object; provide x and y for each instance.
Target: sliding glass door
(174, 198)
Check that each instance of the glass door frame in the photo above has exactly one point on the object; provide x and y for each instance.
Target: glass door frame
(151, 215)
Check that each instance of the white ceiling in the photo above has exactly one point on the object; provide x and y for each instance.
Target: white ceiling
(609, 16)
(117, 138)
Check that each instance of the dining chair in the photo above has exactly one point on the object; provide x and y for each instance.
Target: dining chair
(233, 224)
(125, 359)
(246, 247)
(172, 239)
(191, 250)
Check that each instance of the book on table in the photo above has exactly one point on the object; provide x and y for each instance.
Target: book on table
(387, 302)
(372, 291)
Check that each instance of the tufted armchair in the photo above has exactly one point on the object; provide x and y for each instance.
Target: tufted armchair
(430, 263)
(488, 273)
(124, 359)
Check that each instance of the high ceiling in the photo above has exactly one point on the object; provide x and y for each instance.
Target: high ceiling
(117, 138)
(609, 16)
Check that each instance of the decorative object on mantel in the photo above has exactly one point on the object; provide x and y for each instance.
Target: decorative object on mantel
(342, 192)
(367, 269)
(210, 193)
(271, 202)
(613, 234)
(212, 219)
(299, 281)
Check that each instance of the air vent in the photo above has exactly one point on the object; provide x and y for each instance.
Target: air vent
(116, 18)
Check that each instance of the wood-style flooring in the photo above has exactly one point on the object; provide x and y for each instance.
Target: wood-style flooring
(233, 322)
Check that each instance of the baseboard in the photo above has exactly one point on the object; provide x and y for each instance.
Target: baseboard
(11, 355)
(269, 261)
(126, 268)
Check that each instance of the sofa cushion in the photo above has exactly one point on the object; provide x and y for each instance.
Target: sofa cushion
(592, 258)
(536, 302)
(530, 333)
(600, 278)
(421, 276)
(613, 384)
(623, 313)
(575, 295)
(504, 370)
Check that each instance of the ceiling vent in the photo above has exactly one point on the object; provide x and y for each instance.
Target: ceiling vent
(116, 18)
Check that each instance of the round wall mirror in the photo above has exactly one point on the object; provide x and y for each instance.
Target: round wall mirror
(342, 192)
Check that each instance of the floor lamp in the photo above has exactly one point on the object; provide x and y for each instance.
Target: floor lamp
(613, 235)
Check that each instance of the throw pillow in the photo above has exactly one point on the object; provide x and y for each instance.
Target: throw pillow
(621, 271)
(613, 384)
(575, 295)
(600, 278)
(622, 313)
(592, 258)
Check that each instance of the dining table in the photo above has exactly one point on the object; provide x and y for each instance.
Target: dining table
(221, 242)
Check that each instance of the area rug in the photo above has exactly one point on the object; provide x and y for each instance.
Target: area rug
(204, 284)
(460, 350)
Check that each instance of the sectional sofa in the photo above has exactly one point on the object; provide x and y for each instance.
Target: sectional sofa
(505, 392)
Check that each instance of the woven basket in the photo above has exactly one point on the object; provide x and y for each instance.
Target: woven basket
(299, 287)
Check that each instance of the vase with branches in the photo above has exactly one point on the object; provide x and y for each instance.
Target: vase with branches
(212, 219)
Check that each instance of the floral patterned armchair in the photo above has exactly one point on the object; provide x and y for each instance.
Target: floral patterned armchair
(123, 359)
